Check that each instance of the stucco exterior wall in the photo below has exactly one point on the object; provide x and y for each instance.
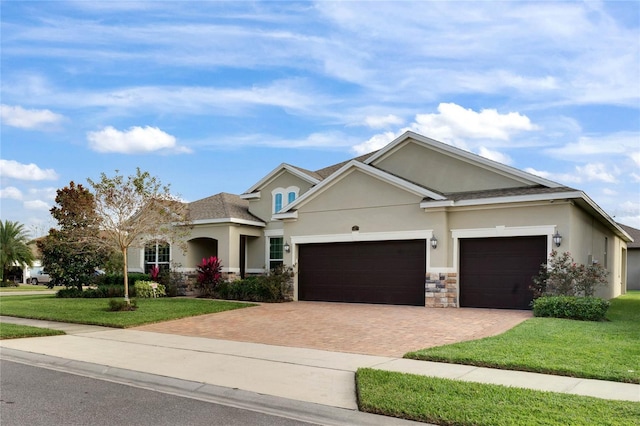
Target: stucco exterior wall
(416, 163)
(633, 268)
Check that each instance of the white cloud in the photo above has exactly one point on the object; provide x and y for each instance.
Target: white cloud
(454, 123)
(374, 143)
(622, 143)
(609, 192)
(494, 155)
(460, 127)
(16, 116)
(36, 205)
(11, 192)
(383, 121)
(597, 172)
(556, 177)
(15, 170)
(133, 141)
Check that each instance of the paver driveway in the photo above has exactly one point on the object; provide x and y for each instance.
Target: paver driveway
(346, 327)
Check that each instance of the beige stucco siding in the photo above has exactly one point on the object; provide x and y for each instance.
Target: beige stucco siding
(357, 189)
(441, 172)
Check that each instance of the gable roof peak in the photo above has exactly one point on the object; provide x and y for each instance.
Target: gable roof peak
(460, 154)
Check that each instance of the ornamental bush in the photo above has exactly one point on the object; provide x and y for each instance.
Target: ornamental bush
(209, 276)
(571, 307)
(273, 287)
(562, 276)
(143, 289)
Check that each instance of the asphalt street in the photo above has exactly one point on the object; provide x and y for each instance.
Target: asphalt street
(31, 395)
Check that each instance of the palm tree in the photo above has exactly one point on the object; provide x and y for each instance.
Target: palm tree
(14, 248)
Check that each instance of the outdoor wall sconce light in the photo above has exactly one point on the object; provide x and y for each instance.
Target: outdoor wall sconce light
(434, 242)
(557, 239)
(287, 247)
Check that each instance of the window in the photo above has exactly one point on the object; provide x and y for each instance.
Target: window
(277, 202)
(276, 252)
(157, 254)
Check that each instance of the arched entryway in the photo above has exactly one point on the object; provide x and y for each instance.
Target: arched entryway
(199, 248)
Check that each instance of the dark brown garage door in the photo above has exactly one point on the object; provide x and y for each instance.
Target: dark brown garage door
(497, 272)
(390, 272)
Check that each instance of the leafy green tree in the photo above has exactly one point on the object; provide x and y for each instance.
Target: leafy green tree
(71, 253)
(137, 209)
(14, 246)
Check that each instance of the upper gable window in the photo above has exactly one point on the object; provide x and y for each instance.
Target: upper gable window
(277, 202)
(279, 199)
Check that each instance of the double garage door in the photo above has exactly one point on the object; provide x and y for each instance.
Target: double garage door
(494, 272)
(390, 272)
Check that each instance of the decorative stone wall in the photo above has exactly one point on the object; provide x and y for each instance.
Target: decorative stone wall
(441, 290)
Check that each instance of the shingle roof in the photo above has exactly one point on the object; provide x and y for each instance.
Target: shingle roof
(221, 206)
(506, 192)
(635, 234)
(328, 171)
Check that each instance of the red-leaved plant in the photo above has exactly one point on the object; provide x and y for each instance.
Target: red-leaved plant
(154, 273)
(209, 275)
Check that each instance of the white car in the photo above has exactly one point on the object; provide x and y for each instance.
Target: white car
(39, 276)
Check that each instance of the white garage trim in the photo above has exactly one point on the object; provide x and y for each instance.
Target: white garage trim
(357, 236)
(498, 231)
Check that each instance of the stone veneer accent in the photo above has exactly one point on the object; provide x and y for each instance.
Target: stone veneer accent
(441, 290)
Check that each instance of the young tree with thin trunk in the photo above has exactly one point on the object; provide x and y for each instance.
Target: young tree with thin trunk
(138, 209)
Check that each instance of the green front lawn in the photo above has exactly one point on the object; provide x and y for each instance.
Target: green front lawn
(24, 287)
(94, 311)
(608, 350)
(451, 402)
(15, 331)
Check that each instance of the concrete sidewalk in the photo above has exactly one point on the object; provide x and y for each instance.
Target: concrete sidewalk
(306, 375)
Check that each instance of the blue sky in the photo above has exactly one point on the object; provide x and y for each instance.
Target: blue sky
(211, 96)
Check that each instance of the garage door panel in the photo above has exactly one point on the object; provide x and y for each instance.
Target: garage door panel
(389, 272)
(497, 272)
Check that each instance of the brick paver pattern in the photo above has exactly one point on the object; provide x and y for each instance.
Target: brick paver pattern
(382, 330)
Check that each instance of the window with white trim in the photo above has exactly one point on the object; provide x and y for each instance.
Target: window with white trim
(157, 254)
(279, 200)
(276, 251)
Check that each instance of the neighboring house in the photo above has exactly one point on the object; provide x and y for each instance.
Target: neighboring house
(633, 258)
(418, 222)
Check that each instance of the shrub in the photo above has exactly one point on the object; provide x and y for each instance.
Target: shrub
(571, 307)
(144, 289)
(118, 305)
(103, 291)
(562, 276)
(118, 279)
(273, 287)
(9, 284)
(209, 275)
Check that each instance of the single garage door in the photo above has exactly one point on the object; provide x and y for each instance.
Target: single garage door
(497, 272)
(390, 272)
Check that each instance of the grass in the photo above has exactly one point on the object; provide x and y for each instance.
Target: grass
(608, 350)
(24, 287)
(451, 402)
(95, 312)
(15, 331)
